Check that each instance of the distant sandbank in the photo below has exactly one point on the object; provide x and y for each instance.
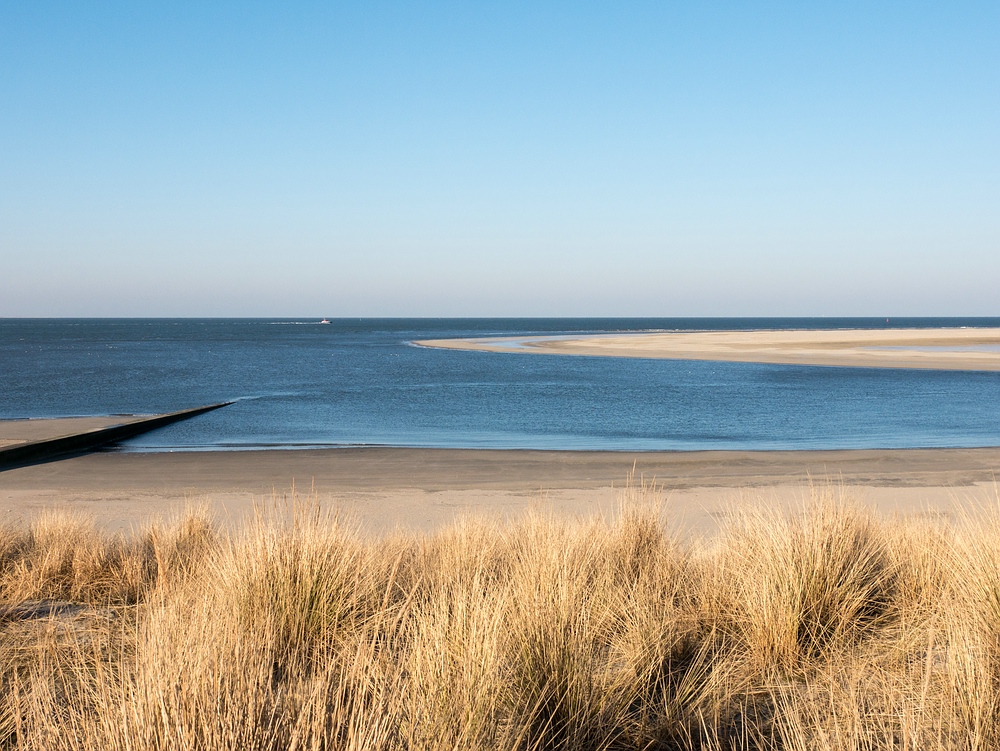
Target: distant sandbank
(938, 349)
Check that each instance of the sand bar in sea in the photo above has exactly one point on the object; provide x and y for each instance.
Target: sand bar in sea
(938, 349)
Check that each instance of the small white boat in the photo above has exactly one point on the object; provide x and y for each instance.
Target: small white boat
(324, 321)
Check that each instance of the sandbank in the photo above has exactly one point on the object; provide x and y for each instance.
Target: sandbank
(423, 489)
(939, 349)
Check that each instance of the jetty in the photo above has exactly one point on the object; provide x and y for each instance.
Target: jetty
(24, 442)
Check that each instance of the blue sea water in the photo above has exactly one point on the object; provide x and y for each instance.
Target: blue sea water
(362, 382)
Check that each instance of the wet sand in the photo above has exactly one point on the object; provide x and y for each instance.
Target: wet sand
(386, 488)
(940, 349)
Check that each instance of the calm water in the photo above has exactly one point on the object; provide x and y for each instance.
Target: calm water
(354, 382)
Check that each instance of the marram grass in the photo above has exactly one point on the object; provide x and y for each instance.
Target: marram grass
(827, 628)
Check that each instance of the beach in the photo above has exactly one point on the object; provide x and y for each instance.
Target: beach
(938, 348)
(385, 489)
(271, 556)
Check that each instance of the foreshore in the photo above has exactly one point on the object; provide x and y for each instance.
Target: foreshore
(939, 349)
(423, 489)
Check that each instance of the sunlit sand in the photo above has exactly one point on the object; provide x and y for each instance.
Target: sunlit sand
(939, 349)
(426, 489)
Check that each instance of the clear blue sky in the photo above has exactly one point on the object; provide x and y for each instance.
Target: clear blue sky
(499, 159)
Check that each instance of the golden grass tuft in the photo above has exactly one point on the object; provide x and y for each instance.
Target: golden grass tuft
(826, 627)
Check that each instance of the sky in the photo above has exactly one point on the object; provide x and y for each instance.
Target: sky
(499, 159)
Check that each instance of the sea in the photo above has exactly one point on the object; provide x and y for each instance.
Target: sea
(299, 383)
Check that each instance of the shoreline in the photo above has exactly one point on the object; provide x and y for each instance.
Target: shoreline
(969, 349)
(23, 444)
(424, 489)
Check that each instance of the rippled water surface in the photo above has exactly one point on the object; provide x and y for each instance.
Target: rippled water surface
(301, 383)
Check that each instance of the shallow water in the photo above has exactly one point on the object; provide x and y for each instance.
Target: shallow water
(362, 382)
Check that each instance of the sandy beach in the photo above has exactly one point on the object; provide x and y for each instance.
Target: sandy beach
(386, 488)
(941, 349)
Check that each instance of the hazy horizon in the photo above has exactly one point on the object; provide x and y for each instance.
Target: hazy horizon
(441, 160)
(310, 318)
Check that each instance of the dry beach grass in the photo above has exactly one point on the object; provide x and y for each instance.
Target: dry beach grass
(829, 627)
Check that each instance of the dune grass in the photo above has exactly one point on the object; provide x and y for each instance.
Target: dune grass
(826, 628)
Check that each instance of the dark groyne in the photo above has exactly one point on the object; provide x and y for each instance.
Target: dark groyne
(61, 447)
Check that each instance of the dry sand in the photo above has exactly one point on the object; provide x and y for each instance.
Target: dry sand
(386, 488)
(942, 349)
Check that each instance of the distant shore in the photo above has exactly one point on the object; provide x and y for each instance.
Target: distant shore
(425, 489)
(938, 349)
